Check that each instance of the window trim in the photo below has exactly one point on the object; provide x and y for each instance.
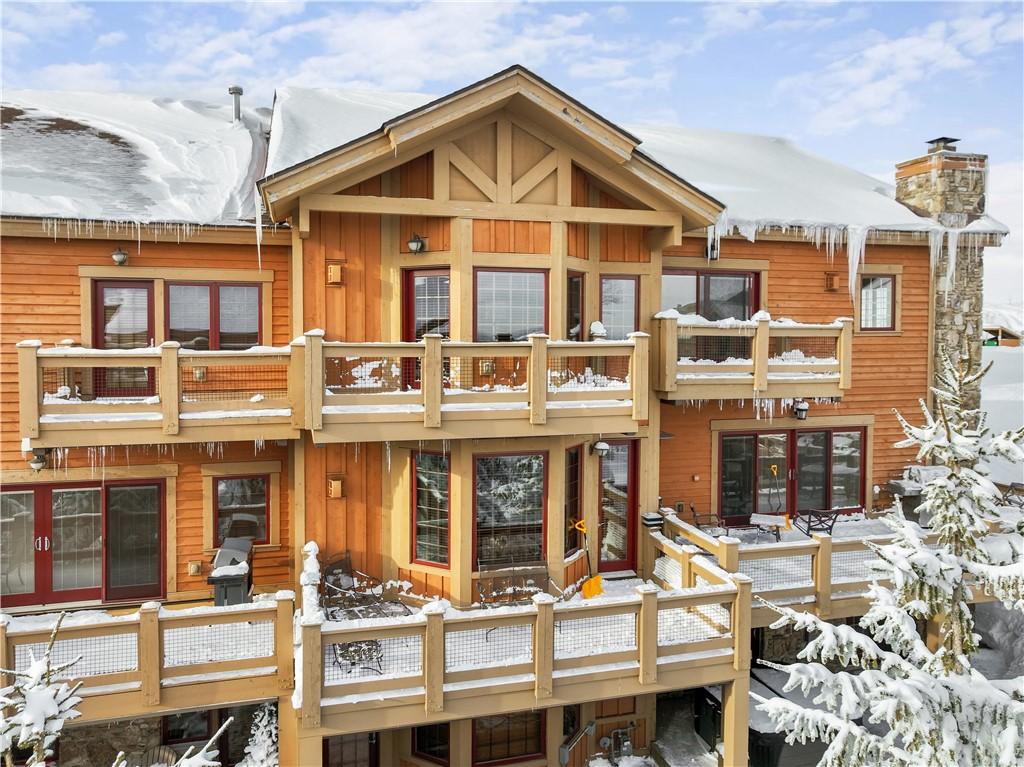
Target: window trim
(756, 282)
(214, 288)
(413, 559)
(547, 296)
(216, 506)
(895, 271)
(414, 745)
(566, 553)
(544, 509)
(543, 726)
(601, 278)
(210, 471)
(408, 309)
(571, 274)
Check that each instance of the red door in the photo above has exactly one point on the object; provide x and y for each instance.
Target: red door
(425, 309)
(617, 514)
(123, 319)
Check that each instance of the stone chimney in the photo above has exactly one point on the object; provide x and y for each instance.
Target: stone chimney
(948, 186)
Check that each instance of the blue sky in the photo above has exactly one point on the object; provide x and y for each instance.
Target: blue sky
(862, 83)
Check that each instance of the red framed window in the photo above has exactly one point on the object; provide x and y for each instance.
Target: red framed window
(431, 514)
(123, 319)
(509, 508)
(573, 501)
(716, 294)
(620, 305)
(574, 330)
(358, 749)
(878, 302)
(242, 508)
(79, 541)
(618, 510)
(213, 315)
(506, 738)
(509, 304)
(431, 742)
(786, 472)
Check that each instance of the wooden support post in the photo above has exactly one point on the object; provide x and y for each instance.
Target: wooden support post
(666, 338)
(647, 633)
(844, 353)
(537, 378)
(431, 375)
(297, 383)
(761, 339)
(729, 554)
(150, 653)
(638, 372)
(296, 747)
(170, 385)
(283, 633)
(544, 645)
(28, 387)
(736, 721)
(315, 379)
(741, 621)
(686, 563)
(823, 574)
(433, 658)
(312, 673)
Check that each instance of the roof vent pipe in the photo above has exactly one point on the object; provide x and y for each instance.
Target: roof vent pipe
(236, 97)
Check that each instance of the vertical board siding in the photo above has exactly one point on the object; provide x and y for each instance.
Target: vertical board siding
(511, 236)
(577, 235)
(416, 179)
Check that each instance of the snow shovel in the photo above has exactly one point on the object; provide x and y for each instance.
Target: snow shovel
(592, 585)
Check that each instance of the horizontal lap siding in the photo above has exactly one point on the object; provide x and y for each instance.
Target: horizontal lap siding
(888, 371)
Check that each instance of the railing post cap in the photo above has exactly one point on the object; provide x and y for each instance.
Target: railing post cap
(31, 343)
(741, 579)
(436, 607)
(538, 335)
(638, 334)
(284, 595)
(148, 607)
(647, 588)
(170, 345)
(314, 333)
(543, 599)
(432, 335)
(728, 540)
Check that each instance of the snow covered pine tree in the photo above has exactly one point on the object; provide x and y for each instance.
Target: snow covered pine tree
(261, 750)
(903, 701)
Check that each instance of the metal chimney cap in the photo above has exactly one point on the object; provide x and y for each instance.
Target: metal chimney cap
(235, 90)
(942, 142)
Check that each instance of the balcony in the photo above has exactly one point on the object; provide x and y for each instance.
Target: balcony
(438, 389)
(756, 359)
(76, 397)
(157, 661)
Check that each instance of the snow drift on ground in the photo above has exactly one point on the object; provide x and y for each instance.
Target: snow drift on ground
(1002, 397)
(122, 157)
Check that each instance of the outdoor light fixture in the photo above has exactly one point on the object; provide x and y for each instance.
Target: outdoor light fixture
(800, 408)
(600, 449)
(38, 460)
(416, 244)
(119, 257)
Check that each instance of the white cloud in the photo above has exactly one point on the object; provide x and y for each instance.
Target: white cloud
(617, 13)
(77, 77)
(110, 39)
(26, 23)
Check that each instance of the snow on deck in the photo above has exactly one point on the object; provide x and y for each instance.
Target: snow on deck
(127, 158)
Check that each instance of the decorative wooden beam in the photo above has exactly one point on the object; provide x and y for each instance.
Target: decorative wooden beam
(473, 172)
(534, 176)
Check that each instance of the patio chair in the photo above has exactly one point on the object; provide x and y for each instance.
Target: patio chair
(1014, 495)
(346, 592)
(501, 586)
(366, 654)
(817, 521)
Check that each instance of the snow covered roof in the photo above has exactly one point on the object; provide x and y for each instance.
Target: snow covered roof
(123, 157)
(1006, 315)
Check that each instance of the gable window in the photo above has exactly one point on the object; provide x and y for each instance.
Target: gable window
(431, 742)
(210, 315)
(508, 737)
(242, 508)
(510, 304)
(878, 302)
(509, 493)
(714, 295)
(430, 507)
(573, 506)
(620, 303)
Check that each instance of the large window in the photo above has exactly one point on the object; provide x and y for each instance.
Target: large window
(509, 500)
(430, 524)
(242, 508)
(620, 302)
(213, 315)
(714, 295)
(508, 737)
(878, 302)
(510, 304)
(573, 505)
(791, 471)
(431, 742)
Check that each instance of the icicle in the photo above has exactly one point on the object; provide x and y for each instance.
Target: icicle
(856, 239)
(259, 228)
(952, 244)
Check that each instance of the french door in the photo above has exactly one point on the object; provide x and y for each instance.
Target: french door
(67, 543)
(617, 514)
(791, 471)
(425, 309)
(123, 320)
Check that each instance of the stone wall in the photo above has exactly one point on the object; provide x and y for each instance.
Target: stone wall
(96, 745)
(958, 312)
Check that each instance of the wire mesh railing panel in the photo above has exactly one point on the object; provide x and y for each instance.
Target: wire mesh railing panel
(371, 375)
(488, 647)
(699, 350)
(801, 350)
(684, 625)
(588, 373)
(485, 374)
(110, 654)
(778, 572)
(100, 385)
(190, 645)
(372, 659)
(669, 570)
(578, 637)
(213, 383)
(850, 566)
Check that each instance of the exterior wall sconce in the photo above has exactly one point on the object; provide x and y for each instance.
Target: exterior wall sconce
(416, 244)
(600, 449)
(800, 408)
(119, 257)
(38, 460)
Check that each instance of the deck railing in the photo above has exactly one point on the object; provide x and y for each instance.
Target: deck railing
(538, 650)
(158, 659)
(759, 358)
